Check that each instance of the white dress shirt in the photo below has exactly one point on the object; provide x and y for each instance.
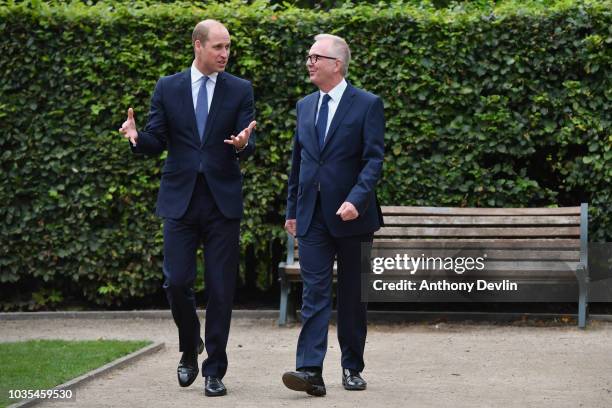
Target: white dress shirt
(196, 81)
(335, 94)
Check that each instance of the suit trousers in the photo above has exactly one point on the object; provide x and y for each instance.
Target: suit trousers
(202, 223)
(318, 249)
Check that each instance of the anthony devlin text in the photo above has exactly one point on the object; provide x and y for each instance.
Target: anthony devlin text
(444, 285)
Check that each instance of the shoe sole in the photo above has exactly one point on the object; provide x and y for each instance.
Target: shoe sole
(353, 387)
(297, 384)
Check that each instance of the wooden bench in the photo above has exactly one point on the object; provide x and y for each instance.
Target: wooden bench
(536, 245)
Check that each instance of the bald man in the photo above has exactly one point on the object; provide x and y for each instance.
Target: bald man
(203, 117)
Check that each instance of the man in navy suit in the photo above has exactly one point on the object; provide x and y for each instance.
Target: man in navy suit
(195, 115)
(332, 208)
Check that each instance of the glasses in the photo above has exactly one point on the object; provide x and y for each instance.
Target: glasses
(313, 58)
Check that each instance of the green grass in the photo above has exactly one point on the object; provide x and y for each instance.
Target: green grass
(43, 364)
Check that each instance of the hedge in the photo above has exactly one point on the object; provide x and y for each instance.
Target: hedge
(493, 106)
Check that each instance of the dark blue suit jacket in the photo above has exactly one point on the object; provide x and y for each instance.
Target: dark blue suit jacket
(347, 168)
(172, 126)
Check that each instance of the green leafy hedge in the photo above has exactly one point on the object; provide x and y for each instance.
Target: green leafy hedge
(503, 106)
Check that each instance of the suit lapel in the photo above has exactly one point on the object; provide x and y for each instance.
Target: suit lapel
(218, 97)
(187, 103)
(343, 107)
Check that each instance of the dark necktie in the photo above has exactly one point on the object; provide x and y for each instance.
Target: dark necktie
(322, 120)
(202, 109)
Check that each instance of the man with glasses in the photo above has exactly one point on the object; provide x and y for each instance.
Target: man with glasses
(333, 211)
(194, 115)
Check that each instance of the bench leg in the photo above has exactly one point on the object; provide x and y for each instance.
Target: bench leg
(291, 305)
(583, 296)
(582, 310)
(284, 295)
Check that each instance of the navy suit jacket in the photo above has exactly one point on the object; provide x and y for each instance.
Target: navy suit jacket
(347, 168)
(172, 126)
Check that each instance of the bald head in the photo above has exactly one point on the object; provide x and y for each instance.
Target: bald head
(211, 46)
(202, 29)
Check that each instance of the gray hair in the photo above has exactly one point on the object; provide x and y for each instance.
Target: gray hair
(340, 49)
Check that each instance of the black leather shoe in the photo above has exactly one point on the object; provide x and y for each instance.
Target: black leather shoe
(308, 381)
(187, 370)
(213, 387)
(352, 381)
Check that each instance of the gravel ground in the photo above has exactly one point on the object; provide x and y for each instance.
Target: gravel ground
(407, 365)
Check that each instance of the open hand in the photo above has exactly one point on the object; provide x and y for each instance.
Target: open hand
(240, 141)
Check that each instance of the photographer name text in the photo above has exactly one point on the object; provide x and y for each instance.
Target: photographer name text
(444, 285)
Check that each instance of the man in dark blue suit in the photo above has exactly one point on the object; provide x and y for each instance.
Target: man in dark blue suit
(332, 208)
(194, 115)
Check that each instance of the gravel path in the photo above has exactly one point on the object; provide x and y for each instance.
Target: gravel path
(409, 365)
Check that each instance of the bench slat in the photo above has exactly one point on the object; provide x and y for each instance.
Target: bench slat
(510, 274)
(510, 243)
(403, 220)
(497, 268)
(539, 243)
(478, 232)
(405, 210)
(561, 249)
(491, 254)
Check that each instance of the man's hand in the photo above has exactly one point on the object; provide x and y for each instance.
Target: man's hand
(347, 211)
(290, 226)
(240, 141)
(128, 129)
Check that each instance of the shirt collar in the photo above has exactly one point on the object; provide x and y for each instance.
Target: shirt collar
(336, 92)
(196, 75)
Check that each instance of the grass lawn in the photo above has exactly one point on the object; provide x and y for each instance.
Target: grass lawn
(43, 364)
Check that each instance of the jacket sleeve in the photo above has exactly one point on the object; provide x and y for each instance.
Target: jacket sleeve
(152, 140)
(371, 157)
(246, 115)
(294, 174)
